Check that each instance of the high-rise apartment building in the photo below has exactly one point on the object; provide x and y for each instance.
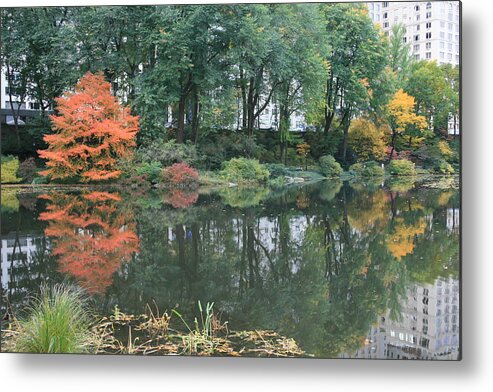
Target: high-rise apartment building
(433, 27)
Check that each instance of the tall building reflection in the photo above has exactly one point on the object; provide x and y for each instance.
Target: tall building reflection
(428, 327)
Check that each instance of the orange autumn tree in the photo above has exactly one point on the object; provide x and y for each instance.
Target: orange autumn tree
(92, 235)
(402, 117)
(92, 132)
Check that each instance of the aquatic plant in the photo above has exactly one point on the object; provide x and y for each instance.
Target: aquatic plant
(200, 339)
(58, 321)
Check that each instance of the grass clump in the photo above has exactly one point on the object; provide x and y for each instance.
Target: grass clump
(401, 167)
(58, 322)
(244, 170)
(329, 167)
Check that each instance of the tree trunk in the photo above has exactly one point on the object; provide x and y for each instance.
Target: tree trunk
(195, 116)
(181, 120)
(394, 136)
(345, 123)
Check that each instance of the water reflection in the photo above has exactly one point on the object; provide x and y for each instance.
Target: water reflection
(91, 234)
(318, 263)
(427, 329)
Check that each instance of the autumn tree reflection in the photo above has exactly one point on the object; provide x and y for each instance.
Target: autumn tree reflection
(92, 235)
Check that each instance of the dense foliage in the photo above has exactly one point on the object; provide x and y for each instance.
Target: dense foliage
(204, 79)
(10, 166)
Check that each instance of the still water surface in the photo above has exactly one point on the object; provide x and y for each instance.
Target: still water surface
(365, 270)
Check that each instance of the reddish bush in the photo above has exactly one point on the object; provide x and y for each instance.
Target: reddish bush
(180, 174)
(394, 153)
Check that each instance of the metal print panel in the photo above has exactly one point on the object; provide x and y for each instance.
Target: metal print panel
(248, 180)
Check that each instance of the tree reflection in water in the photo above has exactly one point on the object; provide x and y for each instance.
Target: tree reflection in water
(91, 235)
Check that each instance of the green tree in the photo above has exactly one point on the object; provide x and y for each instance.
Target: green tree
(357, 59)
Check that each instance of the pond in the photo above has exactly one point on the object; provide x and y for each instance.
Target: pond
(363, 269)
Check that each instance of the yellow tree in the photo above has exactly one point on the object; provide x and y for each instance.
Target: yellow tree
(366, 140)
(402, 116)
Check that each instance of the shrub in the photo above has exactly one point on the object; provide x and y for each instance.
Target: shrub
(401, 167)
(329, 167)
(367, 169)
(28, 170)
(150, 171)
(277, 170)
(444, 167)
(58, 322)
(244, 170)
(180, 174)
(9, 168)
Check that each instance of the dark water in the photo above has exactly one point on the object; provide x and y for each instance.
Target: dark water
(347, 270)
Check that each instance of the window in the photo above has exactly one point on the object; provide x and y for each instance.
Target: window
(457, 48)
(442, 24)
(449, 47)
(428, 15)
(428, 55)
(417, 17)
(442, 45)
(417, 27)
(404, 39)
(385, 15)
(442, 35)
(450, 37)
(385, 4)
(416, 37)
(428, 6)
(450, 26)
(449, 56)
(416, 57)
(385, 24)
(428, 35)
(416, 48)
(428, 45)
(457, 38)
(423, 342)
(416, 8)
(34, 105)
(428, 25)
(425, 299)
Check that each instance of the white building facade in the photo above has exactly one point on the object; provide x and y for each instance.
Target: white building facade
(433, 28)
(432, 31)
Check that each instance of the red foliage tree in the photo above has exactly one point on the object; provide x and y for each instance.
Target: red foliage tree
(92, 235)
(92, 132)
